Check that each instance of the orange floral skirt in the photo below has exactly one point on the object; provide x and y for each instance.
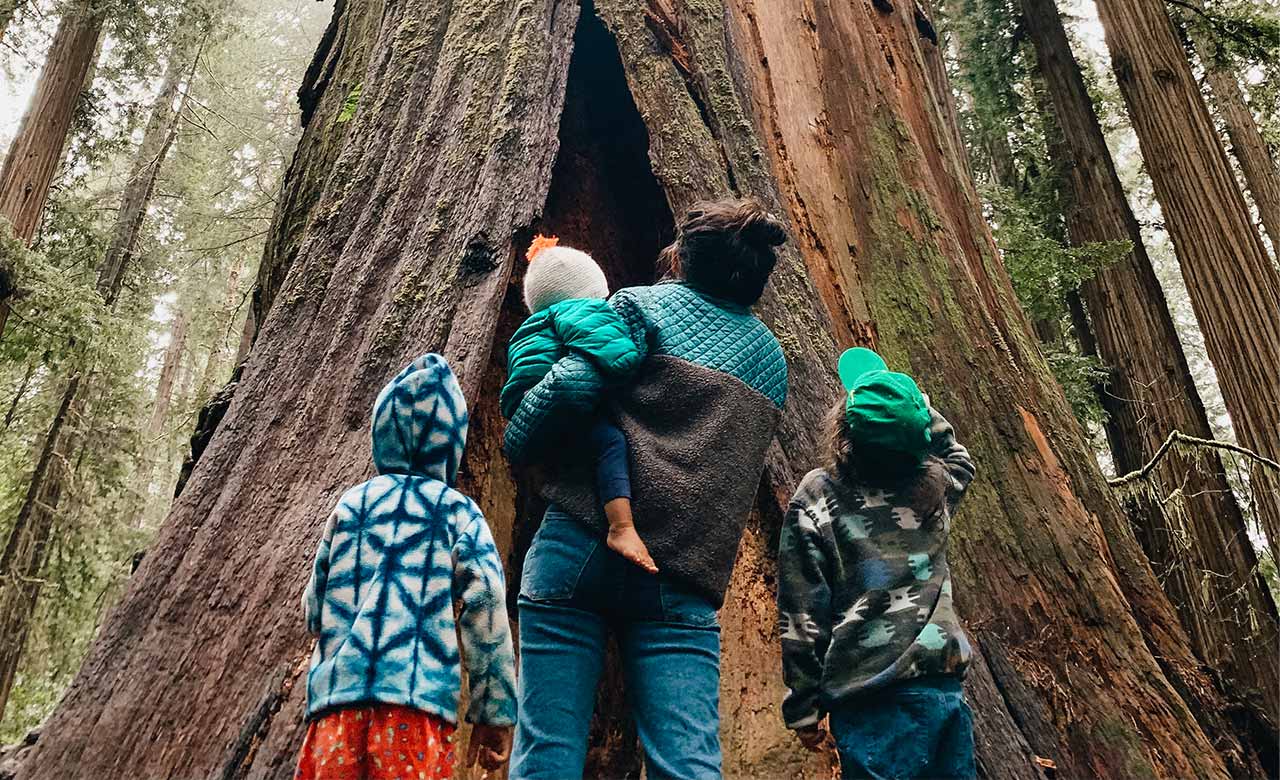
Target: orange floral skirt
(377, 742)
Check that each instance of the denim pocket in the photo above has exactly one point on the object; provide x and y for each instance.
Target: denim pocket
(684, 606)
(554, 563)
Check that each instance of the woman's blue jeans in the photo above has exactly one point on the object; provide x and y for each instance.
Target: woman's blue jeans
(573, 592)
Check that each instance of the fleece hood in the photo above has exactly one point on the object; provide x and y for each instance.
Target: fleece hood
(420, 422)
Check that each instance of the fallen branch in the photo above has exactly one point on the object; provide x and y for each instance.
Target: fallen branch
(1180, 437)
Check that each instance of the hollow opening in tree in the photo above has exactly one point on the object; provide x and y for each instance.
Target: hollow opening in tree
(604, 199)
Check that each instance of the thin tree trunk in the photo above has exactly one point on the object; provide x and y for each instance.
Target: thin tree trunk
(19, 394)
(36, 151)
(154, 448)
(450, 165)
(165, 383)
(23, 557)
(1199, 542)
(1256, 163)
(1234, 285)
(24, 551)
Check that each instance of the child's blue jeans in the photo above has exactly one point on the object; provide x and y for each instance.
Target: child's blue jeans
(917, 729)
(573, 592)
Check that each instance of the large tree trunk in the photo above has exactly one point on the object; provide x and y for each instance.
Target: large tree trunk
(1247, 145)
(23, 558)
(449, 162)
(37, 149)
(1234, 285)
(1198, 542)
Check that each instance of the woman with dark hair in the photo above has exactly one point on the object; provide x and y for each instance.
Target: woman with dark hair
(698, 416)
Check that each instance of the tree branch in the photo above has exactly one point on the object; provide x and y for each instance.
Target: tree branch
(1179, 436)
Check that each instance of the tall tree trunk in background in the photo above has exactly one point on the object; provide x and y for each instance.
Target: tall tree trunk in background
(1247, 145)
(333, 83)
(1198, 543)
(36, 151)
(1234, 285)
(23, 558)
(472, 124)
(165, 383)
(155, 437)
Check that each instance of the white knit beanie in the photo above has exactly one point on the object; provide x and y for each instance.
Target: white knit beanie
(559, 273)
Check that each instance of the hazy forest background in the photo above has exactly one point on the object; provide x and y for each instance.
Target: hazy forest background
(131, 295)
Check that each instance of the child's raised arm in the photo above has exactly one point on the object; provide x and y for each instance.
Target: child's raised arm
(480, 586)
(804, 612)
(955, 457)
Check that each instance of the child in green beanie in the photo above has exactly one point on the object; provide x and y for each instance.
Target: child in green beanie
(870, 638)
(565, 292)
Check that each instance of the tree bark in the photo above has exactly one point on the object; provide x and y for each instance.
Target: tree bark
(1234, 285)
(1256, 163)
(23, 558)
(1198, 542)
(36, 151)
(449, 166)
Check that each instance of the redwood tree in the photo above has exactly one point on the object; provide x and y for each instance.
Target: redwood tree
(1198, 541)
(1234, 285)
(1261, 176)
(37, 149)
(473, 129)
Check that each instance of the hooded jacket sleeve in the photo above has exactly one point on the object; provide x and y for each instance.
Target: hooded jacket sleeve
(593, 329)
(313, 596)
(804, 611)
(572, 388)
(480, 587)
(954, 456)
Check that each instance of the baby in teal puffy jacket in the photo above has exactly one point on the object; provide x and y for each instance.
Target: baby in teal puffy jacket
(565, 291)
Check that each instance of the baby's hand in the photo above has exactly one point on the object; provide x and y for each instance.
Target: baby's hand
(624, 540)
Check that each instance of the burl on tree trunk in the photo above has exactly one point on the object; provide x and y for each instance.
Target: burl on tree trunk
(473, 129)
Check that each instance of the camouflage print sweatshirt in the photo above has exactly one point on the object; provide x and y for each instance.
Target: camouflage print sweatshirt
(864, 592)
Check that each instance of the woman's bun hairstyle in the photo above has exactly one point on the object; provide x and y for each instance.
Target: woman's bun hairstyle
(725, 248)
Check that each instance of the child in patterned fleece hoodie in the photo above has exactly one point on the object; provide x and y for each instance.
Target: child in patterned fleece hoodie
(398, 552)
(869, 632)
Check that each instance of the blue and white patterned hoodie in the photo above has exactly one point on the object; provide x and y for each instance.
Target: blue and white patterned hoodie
(398, 551)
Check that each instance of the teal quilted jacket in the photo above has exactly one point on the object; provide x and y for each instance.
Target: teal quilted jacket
(698, 415)
(587, 327)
